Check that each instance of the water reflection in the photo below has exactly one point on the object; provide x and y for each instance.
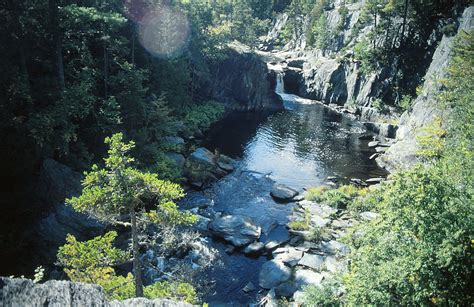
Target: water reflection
(299, 147)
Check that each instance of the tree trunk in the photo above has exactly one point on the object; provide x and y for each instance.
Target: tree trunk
(106, 70)
(137, 269)
(55, 30)
(405, 15)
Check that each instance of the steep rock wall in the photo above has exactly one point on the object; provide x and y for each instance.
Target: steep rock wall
(403, 153)
(243, 82)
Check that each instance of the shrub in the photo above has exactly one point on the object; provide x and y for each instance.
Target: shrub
(314, 193)
(304, 224)
(203, 115)
(325, 294)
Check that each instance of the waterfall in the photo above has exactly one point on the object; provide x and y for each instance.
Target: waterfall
(280, 84)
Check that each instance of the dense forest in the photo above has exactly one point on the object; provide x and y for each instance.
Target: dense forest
(138, 74)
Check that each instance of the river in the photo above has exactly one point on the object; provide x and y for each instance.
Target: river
(300, 147)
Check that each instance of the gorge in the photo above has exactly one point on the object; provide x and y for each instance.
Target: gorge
(290, 163)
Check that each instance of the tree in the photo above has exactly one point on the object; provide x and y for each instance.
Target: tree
(119, 190)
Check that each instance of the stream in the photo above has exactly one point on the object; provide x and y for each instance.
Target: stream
(299, 147)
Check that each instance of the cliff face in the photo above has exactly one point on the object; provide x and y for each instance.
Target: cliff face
(242, 81)
(403, 153)
(24, 292)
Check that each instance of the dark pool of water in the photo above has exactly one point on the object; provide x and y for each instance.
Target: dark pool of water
(299, 147)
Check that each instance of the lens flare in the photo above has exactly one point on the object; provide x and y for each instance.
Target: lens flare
(164, 31)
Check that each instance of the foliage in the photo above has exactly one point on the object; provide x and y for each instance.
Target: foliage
(39, 274)
(304, 224)
(92, 261)
(406, 102)
(338, 198)
(325, 294)
(172, 290)
(118, 189)
(419, 251)
(200, 117)
(314, 193)
(430, 139)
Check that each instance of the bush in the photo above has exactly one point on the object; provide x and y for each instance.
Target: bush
(420, 250)
(314, 194)
(177, 291)
(200, 117)
(304, 224)
(326, 294)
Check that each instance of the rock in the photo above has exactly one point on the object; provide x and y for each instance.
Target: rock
(373, 144)
(307, 277)
(380, 149)
(56, 183)
(242, 81)
(286, 289)
(254, 248)
(318, 221)
(276, 237)
(298, 297)
(403, 154)
(23, 292)
(177, 158)
(173, 140)
(236, 229)
(202, 223)
(273, 273)
(368, 216)
(298, 197)
(374, 180)
(333, 265)
(312, 261)
(358, 181)
(203, 166)
(332, 178)
(335, 248)
(203, 156)
(290, 256)
(283, 193)
(375, 155)
(249, 287)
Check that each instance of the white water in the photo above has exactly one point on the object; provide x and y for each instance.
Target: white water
(289, 100)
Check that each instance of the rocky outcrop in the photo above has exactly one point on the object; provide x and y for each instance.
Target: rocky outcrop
(425, 109)
(24, 292)
(243, 82)
(58, 182)
(202, 166)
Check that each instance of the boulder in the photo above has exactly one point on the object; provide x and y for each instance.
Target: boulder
(289, 256)
(335, 248)
(283, 193)
(173, 140)
(254, 248)
(24, 292)
(307, 277)
(314, 262)
(286, 289)
(273, 273)
(177, 158)
(202, 166)
(236, 229)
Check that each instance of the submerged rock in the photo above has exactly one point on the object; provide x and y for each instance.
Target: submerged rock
(238, 230)
(273, 273)
(283, 193)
